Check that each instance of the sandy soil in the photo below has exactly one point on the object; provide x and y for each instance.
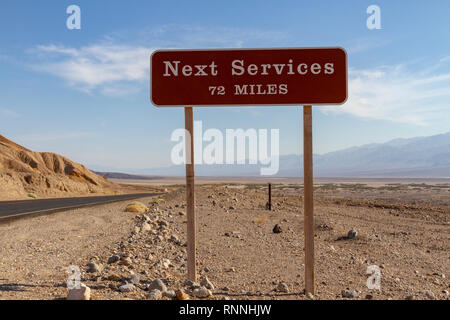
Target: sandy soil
(407, 238)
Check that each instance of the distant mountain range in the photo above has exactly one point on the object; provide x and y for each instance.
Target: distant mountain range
(420, 157)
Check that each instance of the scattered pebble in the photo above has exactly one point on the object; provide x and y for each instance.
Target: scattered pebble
(135, 278)
(175, 239)
(157, 284)
(428, 294)
(113, 258)
(282, 287)
(201, 292)
(190, 283)
(350, 294)
(126, 261)
(169, 294)
(352, 234)
(127, 287)
(154, 294)
(277, 229)
(93, 267)
(166, 263)
(181, 295)
(114, 277)
(309, 296)
(146, 227)
(206, 283)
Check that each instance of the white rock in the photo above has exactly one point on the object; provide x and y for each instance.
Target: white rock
(157, 284)
(146, 227)
(201, 292)
(82, 293)
(207, 284)
(166, 263)
(349, 293)
(169, 294)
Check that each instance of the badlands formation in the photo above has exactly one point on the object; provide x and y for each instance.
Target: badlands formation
(27, 174)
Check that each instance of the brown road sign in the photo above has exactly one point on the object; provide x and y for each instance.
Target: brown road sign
(293, 76)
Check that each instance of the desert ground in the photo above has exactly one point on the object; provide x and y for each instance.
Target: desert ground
(402, 227)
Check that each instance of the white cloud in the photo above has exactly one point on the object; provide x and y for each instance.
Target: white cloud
(116, 70)
(401, 93)
(361, 45)
(221, 37)
(97, 66)
(398, 94)
(9, 113)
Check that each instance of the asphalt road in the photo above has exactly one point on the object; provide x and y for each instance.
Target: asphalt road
(10, 210)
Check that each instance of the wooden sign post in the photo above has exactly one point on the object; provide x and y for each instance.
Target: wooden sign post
(249, 77)
(308, 199)
(190, 195)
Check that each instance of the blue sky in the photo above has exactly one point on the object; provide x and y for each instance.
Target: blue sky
(85, 93)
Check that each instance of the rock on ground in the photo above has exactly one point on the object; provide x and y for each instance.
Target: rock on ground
(154, 294)
(82, 293)
(277, 229)
(93, 267)
(181, 295)
(113, 258)
(207, 284)
(146, 227)
(201, 292)
(137, 207)
(135, 278)
(157, 284)
(350, 294)
(282, 287)
(127, 287)
(352, 234)
(169, 294)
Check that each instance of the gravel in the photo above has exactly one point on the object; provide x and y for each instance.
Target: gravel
(249, 264)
